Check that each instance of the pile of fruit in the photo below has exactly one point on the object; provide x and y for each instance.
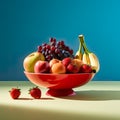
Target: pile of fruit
(56, 57)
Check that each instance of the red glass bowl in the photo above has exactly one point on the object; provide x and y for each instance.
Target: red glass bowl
(59, 84)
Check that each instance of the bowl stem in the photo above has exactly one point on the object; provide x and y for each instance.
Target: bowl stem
(60, 92)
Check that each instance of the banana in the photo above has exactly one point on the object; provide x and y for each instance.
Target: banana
(94, 61)
(89, 57)
(79, 53)
(86, 59)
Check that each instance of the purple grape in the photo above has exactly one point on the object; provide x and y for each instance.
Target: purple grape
(55, 49)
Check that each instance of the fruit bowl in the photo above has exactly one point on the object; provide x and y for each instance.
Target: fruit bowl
(59, 84)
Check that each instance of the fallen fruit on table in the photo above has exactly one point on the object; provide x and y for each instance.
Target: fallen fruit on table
(35, 92)
(15, 93)
(31, 59)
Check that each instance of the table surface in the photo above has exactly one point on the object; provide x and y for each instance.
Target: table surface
(97, 100)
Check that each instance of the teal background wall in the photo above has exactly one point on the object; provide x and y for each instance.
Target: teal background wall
(25, 24)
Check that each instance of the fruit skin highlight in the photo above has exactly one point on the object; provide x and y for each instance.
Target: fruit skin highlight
(31, 59)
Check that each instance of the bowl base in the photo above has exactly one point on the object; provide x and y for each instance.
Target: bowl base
(60, 92)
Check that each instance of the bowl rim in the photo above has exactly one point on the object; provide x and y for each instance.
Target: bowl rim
(57, 74)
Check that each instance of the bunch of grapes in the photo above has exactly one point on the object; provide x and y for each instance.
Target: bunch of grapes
(54, 49)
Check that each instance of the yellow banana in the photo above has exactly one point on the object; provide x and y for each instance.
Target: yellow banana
(89, 57)
(92, 60)
(86, 59)
(79, 53)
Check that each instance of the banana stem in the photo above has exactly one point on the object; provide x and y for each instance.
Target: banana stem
(80, 48)
(81, 37)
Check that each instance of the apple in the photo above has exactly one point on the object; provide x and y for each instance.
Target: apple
(85, 68)
(31, 59)
(41, 67)
(66, 61)
(58, 68)
(71, 68)
(72, 65)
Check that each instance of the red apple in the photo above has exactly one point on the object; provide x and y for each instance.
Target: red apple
(66, 61)
(71, 68)
(85, 68)
(41, 67)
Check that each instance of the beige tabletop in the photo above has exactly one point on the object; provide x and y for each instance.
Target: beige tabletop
(96, 100)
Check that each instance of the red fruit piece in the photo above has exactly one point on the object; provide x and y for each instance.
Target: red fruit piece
(86, 68)
(15, 93)
(41, 67)
(66, 61)
(71, 68)
(35, 92)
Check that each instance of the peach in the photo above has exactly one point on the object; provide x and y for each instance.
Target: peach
(53, 61)
(77, 62)
(58, 68)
